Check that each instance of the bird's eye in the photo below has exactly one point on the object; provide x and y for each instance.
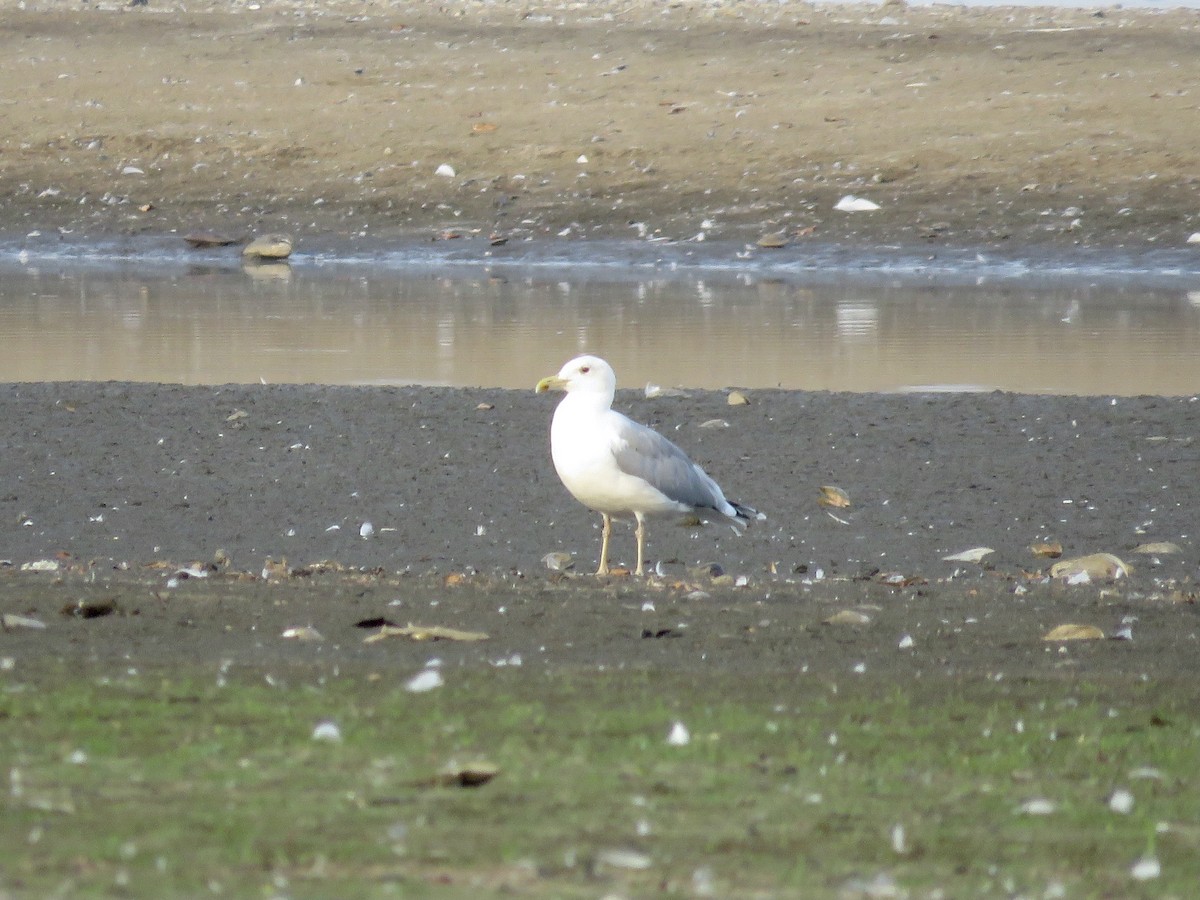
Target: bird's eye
(585, 370)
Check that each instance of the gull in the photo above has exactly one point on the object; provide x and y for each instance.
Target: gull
(619, 468)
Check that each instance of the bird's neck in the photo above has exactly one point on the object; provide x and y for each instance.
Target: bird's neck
(581, 406)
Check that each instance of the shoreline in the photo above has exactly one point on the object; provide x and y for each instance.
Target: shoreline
(628, 259)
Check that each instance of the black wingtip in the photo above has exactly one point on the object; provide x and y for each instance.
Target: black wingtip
(747, 514)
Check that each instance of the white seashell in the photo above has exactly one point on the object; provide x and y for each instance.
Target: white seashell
(679, 736)
(12, 620)
(974, 555)
(1194, 237)
(302, 633)
(327, 731)
(557, 561)
(850, 203)
(1146, 869)
(624, 859)
(424, 681)
(1121, 801)
(581, 159)
(132, 170)
(906, 642)
(366, 531)
(445, 171)
(1038, 807)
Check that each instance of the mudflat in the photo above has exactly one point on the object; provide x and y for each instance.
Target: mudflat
(204, 523)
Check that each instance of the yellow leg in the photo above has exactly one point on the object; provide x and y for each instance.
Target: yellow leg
(641, 542)
(605, 531)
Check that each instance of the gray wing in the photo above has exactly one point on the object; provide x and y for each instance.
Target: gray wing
(646, 454)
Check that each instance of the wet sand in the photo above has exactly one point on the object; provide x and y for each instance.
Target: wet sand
(121, 485)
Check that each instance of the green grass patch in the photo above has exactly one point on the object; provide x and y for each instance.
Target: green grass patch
(192, 783)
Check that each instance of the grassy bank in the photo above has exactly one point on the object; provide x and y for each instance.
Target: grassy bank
(211, 782)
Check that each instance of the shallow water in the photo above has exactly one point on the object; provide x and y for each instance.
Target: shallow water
(507, 324)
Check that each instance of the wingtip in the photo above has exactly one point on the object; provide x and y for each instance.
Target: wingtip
(748, 514)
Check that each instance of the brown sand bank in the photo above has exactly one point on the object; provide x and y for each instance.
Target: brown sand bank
(330, 119)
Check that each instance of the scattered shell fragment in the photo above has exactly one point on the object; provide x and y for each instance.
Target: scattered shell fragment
(41, 565)
(655, 390)
(706, 570)
(1120, 801)
(1146, 869)
(484, 407)
(327, 731)
(558, 561)
(850, 203)
(1093, 567)
(624, 859)
(9, 621)
(366, 531)
(199, 239)
(737, 398)
(1039, 806)
(714, 423)
(848, 617)
(679, 735)
(1070, 632)
(269, 246)
(426, 680)
(1157, 548)
(899, 579)
(483, 128)
(1048, 550)
(974, 555)
(132, 170)
(833, 496)
(302, 633)
(445, 170)
(776, 240)
(275, 568)
(1194, 237)
(425, 633)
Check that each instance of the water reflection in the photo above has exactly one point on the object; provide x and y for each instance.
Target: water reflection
(473, 328)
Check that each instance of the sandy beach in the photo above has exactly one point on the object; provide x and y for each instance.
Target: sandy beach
(349, 120)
